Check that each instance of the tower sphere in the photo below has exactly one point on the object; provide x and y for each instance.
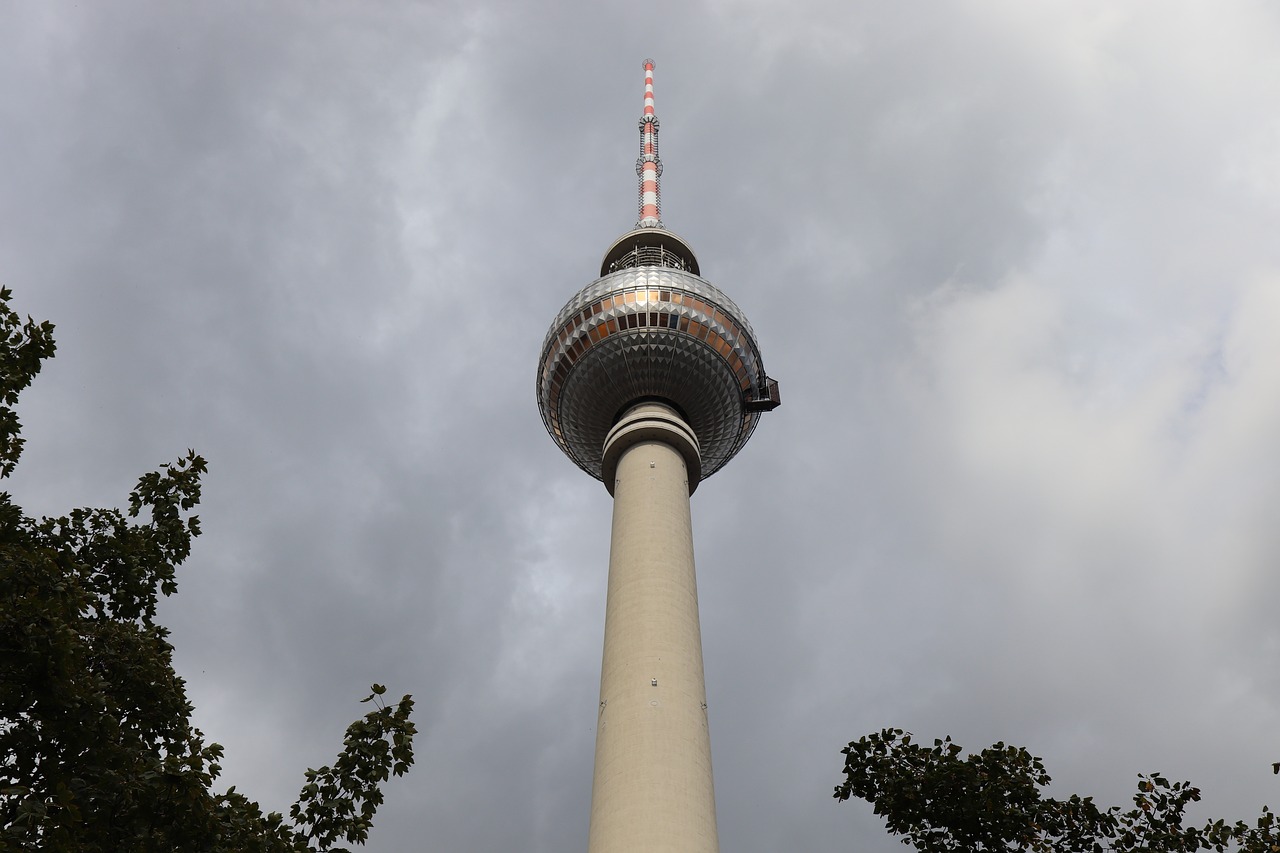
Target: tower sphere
(651, 329)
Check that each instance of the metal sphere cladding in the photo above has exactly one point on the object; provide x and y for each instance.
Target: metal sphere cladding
(650, 329)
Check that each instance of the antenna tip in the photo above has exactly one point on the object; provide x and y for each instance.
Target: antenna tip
(648, 65)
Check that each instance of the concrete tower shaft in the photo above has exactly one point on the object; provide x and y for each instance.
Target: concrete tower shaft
(652, 789)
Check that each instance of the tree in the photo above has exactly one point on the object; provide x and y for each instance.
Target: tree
(942, 801)
(97, 750)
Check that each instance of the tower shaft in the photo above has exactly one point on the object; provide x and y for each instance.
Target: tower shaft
(652, 790)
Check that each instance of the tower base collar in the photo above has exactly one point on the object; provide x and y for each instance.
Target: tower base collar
(651, 422)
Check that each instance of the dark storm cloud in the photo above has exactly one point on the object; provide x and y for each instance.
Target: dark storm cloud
(1020, 487)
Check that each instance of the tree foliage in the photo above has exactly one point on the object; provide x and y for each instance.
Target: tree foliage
(943, 801)
(97, 750)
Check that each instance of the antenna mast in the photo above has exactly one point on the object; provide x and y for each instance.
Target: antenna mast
(649, 167)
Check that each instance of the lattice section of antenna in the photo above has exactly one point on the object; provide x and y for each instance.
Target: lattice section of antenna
(649, 163)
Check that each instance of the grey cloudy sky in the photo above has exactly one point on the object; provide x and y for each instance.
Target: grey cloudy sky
(1015, 265)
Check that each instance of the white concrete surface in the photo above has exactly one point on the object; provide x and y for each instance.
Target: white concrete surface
(652, 789)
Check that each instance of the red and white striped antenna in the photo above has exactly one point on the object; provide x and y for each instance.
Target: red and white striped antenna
(649, 167)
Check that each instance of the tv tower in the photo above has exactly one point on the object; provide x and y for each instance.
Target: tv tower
(650, 379)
